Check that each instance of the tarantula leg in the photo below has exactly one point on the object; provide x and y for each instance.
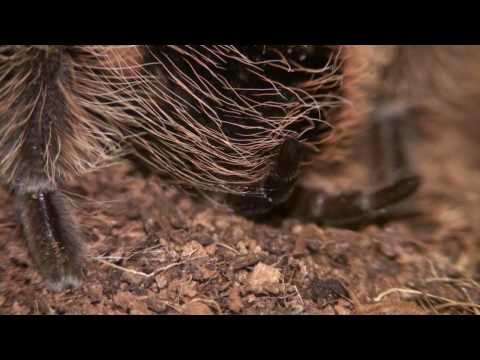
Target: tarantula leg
(53, 237)
(278, 186)
(356, 208)
(390, 128)
(390, 170)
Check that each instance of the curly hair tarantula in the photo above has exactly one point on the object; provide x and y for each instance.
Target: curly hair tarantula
(234, 120)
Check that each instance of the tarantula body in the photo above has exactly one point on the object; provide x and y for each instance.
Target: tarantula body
(227, 110)
(235, 120)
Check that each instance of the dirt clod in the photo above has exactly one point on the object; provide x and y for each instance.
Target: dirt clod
(264, 278)
(196, 308)
(234, 300)
(245, 261)
(328, 290)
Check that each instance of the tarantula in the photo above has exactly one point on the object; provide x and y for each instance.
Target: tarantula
(235, 120)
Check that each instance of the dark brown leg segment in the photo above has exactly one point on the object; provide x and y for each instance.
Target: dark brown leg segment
(390, 170)
(278, 186)
(389, 166)
(53, 237)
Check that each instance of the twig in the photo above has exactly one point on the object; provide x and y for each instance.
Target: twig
(465, 283)
(228, 248)
(449, 302)
(299, 296)
(139, 273)
(145, 275)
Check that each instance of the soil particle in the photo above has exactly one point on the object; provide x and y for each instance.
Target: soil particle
(264, 279)
(196, 308)
(328, 291)
(243, 262)
(235, 303)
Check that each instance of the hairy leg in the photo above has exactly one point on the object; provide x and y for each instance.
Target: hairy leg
(390, 170)
(278, 186)
(356, 208)
(389, 167)
(53, 237)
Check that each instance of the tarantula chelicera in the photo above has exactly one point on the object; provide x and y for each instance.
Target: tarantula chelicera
(235, 120)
